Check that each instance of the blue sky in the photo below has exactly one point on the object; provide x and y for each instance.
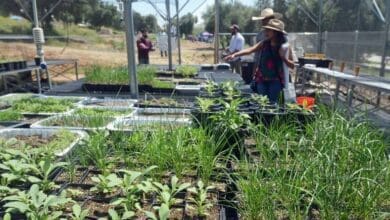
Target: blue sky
(145, 8)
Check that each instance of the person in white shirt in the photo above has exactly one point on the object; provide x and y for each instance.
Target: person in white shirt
(236, 44)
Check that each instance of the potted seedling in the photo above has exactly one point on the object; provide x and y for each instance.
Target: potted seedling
(186, 71)
(231, 124)
(199, 205)
(205, 107)
(106, 186)
(210, 90)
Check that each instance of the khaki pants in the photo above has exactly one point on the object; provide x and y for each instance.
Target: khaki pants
(236, 66)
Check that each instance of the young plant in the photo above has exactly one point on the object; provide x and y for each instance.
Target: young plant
(262, 100)
(43, 105)
(16, 171)
(186, 70)
(210, 87)
(131, 190)
(42, 172)
(78, 213)
(204, 103)
(35, 204)
(166, 194)
(202, 205)
(114, 215)
(10, 115)
(163, 212)
(106, 184)
(230, 118)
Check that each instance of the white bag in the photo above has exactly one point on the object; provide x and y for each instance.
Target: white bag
(289, 88)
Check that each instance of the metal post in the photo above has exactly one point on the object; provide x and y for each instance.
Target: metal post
(386, 38)
(355, 48)
(130, 41)
(216, 33)
(178, 31)
(325, 42)
(169, 34)
(319, 49)
(385, 48)
(35, 12)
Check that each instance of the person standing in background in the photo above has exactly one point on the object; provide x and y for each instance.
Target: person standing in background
(236, 44)
(266, 15)
(144, 46)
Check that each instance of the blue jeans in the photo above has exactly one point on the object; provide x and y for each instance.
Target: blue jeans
(271, 89)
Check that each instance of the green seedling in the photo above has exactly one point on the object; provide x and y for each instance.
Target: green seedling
(106, 184)
(202, 205)
(35, 204)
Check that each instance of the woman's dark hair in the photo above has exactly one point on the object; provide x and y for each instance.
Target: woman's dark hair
(281, 38)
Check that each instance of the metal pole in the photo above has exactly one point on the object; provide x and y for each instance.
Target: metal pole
(216, 33)
(169, 34)
(355, 48)
(130, 41)
(386, 38)
(178, 31)
(319, 49)
(35, 12)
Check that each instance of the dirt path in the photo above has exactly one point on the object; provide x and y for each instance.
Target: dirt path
(192, 53)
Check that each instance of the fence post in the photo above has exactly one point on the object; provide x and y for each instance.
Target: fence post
(355, 48)
(325, 42)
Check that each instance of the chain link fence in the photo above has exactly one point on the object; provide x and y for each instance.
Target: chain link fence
(362, 49)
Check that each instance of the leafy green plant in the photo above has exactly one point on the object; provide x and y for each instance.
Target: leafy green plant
(15, 170)
(10, 115)
(43, 105)
(166, 194)
(35, 204)
(78, 213)
(163, 212)
(210, 87)
(229, 89)
(42, 172)
(262, 100)
(186, 70)
(114, 215)
(202, 205)
(132, 189)
(106, 184)
(204, 103)
(230, 118)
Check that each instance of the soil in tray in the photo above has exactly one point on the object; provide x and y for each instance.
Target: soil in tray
(65, 176)
(190, 213)
(97, 209)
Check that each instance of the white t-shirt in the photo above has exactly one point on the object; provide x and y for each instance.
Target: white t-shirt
(236, 44)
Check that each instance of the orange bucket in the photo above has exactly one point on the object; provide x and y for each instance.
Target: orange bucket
(306, 102)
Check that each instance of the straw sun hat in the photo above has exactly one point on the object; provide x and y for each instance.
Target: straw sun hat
(276, 25)
(267, 13)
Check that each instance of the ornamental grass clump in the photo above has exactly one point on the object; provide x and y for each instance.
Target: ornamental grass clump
(336, 168)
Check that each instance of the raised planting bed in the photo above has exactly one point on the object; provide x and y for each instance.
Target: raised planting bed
(108, 102)
(100, 111)
(60, 142)
(44, 105)
(115, 79)
(184, 71)
(163, 102)
(74, 122)
(12, 97)
(148, 123)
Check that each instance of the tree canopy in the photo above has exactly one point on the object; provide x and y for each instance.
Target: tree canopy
(95, 12)
(345, 15)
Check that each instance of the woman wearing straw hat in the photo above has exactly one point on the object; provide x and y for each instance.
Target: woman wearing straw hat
(269, 76)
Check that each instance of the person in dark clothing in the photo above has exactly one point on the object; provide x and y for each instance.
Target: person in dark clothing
(269, 74)
(144, 46)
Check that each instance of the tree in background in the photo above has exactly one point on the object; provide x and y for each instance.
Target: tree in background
(187, 23)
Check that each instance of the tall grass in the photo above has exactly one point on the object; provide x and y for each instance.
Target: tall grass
(337, 169)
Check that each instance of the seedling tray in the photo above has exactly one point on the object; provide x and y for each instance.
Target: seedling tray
(76, 98)
(13, 132)
(42, 124)
(107, 102)
(163, 111)
(138, 123)
(123, 88)
(110, 108)
(12, 97)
